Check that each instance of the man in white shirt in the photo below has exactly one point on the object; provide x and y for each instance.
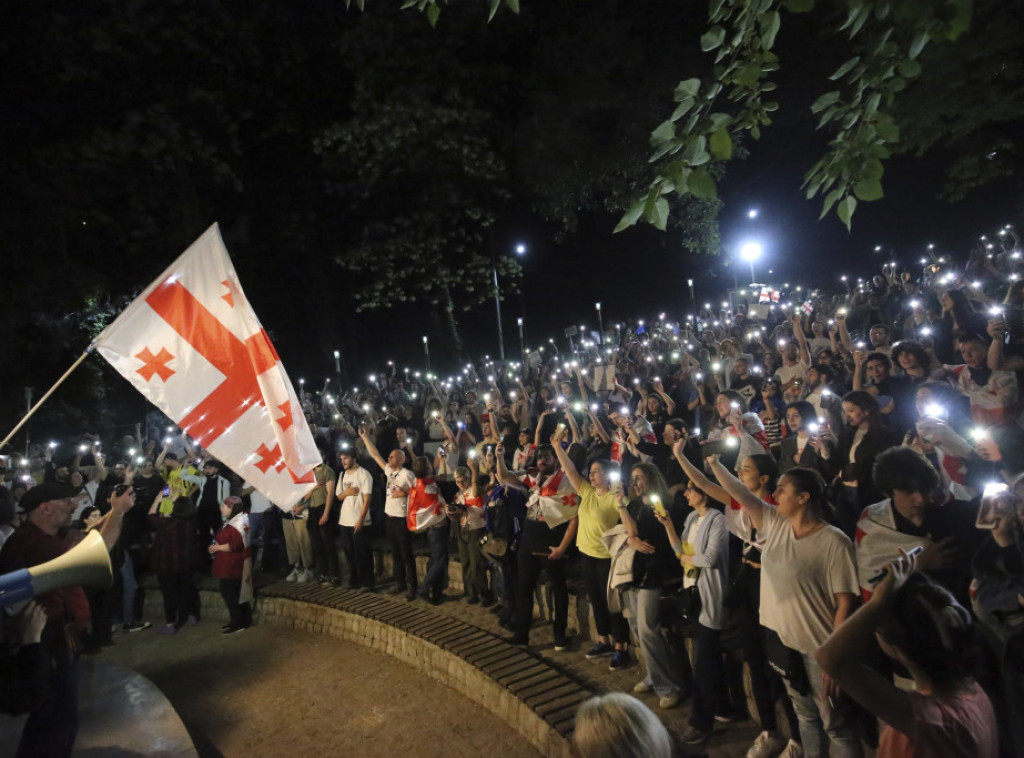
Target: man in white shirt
(396, 503)
(355, 486)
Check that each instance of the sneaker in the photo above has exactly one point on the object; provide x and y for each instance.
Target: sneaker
(167, 629)
(669, 701)
(793, 749)
(396, 591)
(138, 626)
(620, 659)
(410, 596)
(600, 650)
(232, 630)
(294, 576)
(304, 575)
(561, 642)
(225, 627)
(693, 736)
(192, 621)
(641, 687)
(766, 746)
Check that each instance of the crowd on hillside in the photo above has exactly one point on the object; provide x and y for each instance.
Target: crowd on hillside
(778, 479)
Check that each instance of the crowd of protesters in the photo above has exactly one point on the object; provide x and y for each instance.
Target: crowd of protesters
(788, 474)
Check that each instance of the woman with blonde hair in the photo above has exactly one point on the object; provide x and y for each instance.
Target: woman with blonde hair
(619, 726)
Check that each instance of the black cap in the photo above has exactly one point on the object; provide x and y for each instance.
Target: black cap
(44, 493)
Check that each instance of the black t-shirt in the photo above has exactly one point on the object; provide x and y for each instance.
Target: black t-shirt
(653, 570)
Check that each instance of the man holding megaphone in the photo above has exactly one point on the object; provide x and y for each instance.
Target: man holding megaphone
(48, 507)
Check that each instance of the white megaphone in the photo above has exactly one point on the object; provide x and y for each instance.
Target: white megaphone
(87, 563)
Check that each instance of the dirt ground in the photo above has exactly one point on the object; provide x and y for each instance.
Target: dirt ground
(276, 692)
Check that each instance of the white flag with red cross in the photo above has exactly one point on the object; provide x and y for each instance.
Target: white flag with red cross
(193, 346)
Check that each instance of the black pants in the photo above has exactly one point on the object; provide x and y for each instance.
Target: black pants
(181, 599)
(210, 521)
(401, 553)
(530, 566)
(321, 542)
(240, 613)
(707, 678)
(51, 730)
(595, 579)
(356, 546)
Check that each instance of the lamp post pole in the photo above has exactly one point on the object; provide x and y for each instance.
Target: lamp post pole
(426, 350)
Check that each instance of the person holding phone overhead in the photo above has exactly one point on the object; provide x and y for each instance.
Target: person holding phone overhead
(598, 512)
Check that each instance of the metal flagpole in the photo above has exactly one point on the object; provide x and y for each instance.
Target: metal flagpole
(44, 398)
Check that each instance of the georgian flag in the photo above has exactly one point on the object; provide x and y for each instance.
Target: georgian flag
(878, 542)
(193, 346)
(554, 501)
(426, 506)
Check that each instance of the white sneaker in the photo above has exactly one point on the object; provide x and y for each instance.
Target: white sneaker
(294, 576)
(305, 576)
(766, 746)
(642, 687)
(793, 750)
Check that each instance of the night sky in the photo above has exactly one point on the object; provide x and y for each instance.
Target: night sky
(98, 199)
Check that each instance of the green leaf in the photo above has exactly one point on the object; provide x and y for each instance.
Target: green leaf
(721, 145)
(800, 6)
(748, 75)
(513, 5)
(682, 109)
(666, 132)
(712, 39)
(770, 24)
(409, 4)
(909, 69)
(659, 218)
(825, 101)
(629, 217)
(702, 185)
(845, 210)
(719, 120)
(920, 40)
(689, 87)
(714, 9)
(873, 170)
(868, 190)
(842, 70)
(886, 128)
(495, 4)
(433, 11)
(830, 200)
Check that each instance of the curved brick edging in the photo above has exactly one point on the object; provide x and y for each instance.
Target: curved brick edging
(534, 698)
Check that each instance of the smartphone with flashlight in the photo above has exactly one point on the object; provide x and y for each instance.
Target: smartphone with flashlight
(996, 502)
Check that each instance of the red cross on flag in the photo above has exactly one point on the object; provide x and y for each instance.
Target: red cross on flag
(193, 346)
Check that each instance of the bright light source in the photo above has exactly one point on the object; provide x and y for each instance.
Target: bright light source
(750, 251)
(752, 213)
(520, 248)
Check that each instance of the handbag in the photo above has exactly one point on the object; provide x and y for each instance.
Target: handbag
(786, 662)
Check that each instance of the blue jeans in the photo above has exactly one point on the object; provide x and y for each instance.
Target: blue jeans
(820, 721)
(661, 659)
(128, 589)
(437, 566)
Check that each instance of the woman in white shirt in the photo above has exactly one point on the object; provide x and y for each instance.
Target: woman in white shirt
(808, 588)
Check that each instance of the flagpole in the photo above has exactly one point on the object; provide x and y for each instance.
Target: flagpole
(44, 398)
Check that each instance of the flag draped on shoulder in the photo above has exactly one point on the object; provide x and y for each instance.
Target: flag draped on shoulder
(193, 346)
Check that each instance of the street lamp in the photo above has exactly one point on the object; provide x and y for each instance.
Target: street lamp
(522, 341)
(426, 351)
(337, 362)
(520, 249)
(750, 252)
(752, 213)
(600, 322)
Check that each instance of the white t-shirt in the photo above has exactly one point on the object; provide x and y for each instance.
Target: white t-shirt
(800, 578)
(402, 477)
(353, 504)
(786, 374)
